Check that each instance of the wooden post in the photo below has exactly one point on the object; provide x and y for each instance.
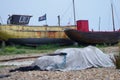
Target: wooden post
(3, 44)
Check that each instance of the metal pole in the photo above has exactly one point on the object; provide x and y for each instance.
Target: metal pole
(74, 12)
(113, 17)
(99, 22)
(46, 22)
(58, 20)
(1, 20)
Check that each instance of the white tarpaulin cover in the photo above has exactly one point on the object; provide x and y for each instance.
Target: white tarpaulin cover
(75, 59)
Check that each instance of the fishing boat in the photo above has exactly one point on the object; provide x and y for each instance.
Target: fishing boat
(17, 31)
(83, 36)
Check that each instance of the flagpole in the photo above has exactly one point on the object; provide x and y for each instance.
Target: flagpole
(46, 22)
(46, 26)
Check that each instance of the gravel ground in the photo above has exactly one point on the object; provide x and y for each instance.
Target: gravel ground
(87, 74)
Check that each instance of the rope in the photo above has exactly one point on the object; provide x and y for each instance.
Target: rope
(19, 58)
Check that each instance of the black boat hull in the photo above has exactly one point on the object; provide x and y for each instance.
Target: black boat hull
(93, 37)
(39, 41)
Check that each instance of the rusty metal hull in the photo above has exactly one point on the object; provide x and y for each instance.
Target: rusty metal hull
(93, 37)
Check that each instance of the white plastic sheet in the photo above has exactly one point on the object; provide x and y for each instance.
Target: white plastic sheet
(76, 59)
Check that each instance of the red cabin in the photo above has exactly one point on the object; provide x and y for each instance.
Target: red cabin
(82, 25)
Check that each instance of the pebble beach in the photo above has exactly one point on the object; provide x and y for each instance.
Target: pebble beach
(87, 74)
(110, 73)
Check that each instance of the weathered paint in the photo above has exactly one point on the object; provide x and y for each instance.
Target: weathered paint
(18, 31)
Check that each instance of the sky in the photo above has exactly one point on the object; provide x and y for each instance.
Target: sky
(97, 12)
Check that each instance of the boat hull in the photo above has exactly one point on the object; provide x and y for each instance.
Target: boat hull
(39, 41)
(93, 37)
(34, 35)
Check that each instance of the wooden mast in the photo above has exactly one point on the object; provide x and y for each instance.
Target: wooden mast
(74, 12)
(113, 17)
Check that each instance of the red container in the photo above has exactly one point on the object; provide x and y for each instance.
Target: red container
(82, 25)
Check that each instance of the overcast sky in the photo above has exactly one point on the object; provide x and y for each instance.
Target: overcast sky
(90, 10)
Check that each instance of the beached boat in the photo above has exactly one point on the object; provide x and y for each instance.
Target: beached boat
(18, 32)
(93, 37)
(84, 36)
